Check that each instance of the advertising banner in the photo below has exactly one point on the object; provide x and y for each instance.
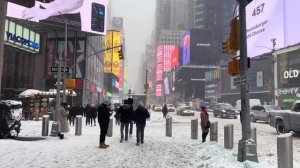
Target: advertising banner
(86, 15)
(276, 19)
(186, 48)
(158, 90)
(115, 69)
(50, 60)
(159, 63)
(167, 57)
(175, 61)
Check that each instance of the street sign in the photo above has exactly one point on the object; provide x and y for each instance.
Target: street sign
(63, 69)
(241, 80)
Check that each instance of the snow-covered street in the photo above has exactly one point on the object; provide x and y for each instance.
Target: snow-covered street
(158, 151)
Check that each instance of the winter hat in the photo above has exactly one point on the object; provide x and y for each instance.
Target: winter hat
(106, 102)
(130, 101)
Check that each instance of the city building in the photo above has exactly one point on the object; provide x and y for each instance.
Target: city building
(171, 37)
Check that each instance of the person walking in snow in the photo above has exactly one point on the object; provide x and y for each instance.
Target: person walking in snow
(104, 113)
(72, 115)
(62, 117)
(165, 111)
(139, 117)
(87, 115)
(204, 123)
(125, 118)
(130, 102)
(93, 115)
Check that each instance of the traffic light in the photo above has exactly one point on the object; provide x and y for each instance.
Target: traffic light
(234, 67)
(121, 55)
(235, 34)
(226, 46)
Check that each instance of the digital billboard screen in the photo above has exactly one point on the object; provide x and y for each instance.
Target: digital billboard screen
(174, 57)
(267, 20)
(159, 63)
(186, 48)
(87, 15)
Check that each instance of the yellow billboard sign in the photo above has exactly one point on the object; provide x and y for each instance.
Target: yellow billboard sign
(111, 57)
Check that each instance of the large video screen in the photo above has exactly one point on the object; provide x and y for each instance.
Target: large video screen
(267, 20)
(87, 15)
(186, 48)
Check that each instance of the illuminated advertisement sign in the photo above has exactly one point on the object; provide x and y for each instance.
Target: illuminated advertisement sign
(186, 48)
(159, 63)
(87, 15)
(167, 86)
(158, 90)
(115, 69)
(167, 57)
(266, 20)
(174, 57)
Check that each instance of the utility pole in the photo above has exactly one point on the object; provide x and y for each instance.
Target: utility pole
(245, 146)
(3, 9)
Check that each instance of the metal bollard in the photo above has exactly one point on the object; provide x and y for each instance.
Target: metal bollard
(169, 126)
(228, 136)
(253, 135)
(78, 126)
(110, 128)
(194, 129)
(285, 150)
(214, 131)
(45, 125)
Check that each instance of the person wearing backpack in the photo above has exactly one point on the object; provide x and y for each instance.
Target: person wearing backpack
(205, 123)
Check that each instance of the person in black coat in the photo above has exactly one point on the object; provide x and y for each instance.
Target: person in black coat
(104, 113)
(130, 102)
(165, 111)
(93, 115)
(139, 117)
(86, 111)
(126, 112)
(72, 114)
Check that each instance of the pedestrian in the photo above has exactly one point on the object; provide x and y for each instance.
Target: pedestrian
(104, 112)
(117, 116)
(72, 114)
(62, 118)
(165, 111)
(125, 118)
(93, 115)
(130, 102)
(139, 117)
(204, 123)
(80, 110)
(87, 116)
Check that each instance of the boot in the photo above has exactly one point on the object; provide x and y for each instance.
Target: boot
(106, 145)
(102, 146)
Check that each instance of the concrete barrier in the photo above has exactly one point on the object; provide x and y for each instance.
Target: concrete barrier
(228, 136)
(78, 126)
(253, 135)
(194, 129)
(110, 128)
(169, 126)
(45, 125)
(285, 150)
(214, 131)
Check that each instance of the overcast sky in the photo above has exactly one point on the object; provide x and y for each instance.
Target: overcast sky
(139, 23)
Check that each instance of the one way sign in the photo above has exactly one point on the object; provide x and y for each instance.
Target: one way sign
(63, 69)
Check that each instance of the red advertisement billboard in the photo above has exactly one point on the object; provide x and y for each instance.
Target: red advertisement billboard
(174, 57)
(159, 63)
(159, 90)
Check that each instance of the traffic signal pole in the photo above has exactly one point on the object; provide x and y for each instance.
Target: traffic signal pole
(3, 9)
(245, 145)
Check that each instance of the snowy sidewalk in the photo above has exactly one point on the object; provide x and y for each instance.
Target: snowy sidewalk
(159, 151)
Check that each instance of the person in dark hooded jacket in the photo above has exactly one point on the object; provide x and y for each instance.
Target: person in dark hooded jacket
(126, 112)
(104, 113)
(139, 117)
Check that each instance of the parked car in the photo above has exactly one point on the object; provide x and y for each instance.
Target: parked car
(185, 111)
(225, 110)
(158, 108)
(261, 112)
(171, 108)
(285, 121)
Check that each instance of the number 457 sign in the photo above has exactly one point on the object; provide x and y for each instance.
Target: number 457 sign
(265, 21)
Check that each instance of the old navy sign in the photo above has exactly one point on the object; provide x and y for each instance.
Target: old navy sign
(23, 41)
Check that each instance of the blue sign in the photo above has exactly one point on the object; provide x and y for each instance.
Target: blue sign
(23, 41)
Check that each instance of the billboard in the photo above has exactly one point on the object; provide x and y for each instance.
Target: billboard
(167, 86)
(111, 57)
(174, 57)
(159, 63)
(266, 20)
(86, 15)
(159, 90)
(186, 48)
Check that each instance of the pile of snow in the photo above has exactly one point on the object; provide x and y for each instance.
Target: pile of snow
(212, 155)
